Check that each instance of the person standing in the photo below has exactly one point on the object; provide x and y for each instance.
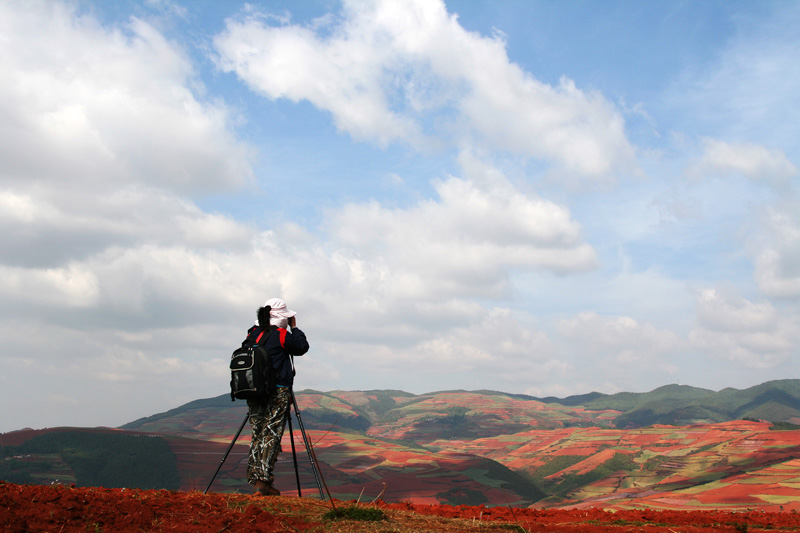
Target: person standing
(276, 330)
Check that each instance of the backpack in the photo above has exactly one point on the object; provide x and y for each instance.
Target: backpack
(252, 374)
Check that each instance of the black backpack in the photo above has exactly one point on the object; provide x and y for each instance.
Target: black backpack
(252, 374)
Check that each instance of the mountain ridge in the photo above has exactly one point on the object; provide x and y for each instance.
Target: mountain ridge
(776, 401)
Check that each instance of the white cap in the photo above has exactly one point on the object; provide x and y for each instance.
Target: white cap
(279, 309)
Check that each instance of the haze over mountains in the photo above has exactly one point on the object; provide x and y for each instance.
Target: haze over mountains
(689, 446)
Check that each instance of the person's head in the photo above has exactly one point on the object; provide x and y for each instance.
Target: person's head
(275, 313)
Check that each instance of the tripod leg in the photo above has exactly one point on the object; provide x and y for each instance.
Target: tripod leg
(311, 455)
(227, 452)
(308, 447)
(294, 453)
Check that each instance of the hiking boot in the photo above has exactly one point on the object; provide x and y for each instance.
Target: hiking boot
(265, 489)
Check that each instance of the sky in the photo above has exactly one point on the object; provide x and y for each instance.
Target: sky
(536, 197)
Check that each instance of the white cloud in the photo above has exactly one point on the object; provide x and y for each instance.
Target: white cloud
(101, 129)
(754, 335)
(620, 342)
(406, 71)
(467, 241)
(751, 160)
(777, 251)
(102, 133)
(126, 268)
(70, 286)
(109, 150)
(770, 199)
(108, 107)
(46, 226)
(492, 343)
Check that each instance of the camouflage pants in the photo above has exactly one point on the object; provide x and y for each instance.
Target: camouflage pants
(267, 419)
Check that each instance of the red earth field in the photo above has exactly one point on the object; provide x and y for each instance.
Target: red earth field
(33, 508)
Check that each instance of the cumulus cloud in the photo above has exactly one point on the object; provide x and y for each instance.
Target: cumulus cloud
(101, 132)
(108, 144)
(750, 334)
(409, 72)
(109, 107)
(104, 136)
(466, 241)
(104, 248)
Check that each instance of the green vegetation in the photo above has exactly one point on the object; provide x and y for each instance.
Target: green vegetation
(218, 402)
(514, 481)
(406, 443)
(654, 463)
(322, 418)
(17, 471)
(456, 414)
(661, 398)
(703, 448)
(513, 527)
(103, 459)
(680, 404)
(366, 514)
(571, 482)
(556, 464)
(383, 403)
(462, 496)
(784, 426)
(562, 486)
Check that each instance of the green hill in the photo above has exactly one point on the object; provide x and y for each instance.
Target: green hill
(774, 401)
(93, 458)
(422, 416)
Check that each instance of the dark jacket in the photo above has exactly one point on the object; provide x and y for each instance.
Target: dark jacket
(280, 345)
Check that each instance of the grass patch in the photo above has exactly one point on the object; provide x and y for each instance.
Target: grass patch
(364, 514)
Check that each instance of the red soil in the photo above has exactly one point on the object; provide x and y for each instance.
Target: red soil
(35, 508)
(596, 519)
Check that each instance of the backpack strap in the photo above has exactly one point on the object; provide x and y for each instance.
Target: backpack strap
(283, 337)
(282, 332)
(267, 331)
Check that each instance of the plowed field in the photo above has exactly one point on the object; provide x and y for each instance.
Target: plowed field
(34, 508)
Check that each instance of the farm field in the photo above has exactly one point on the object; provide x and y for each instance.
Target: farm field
(462, 448)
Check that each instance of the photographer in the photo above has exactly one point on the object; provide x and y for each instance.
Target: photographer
(276, 330)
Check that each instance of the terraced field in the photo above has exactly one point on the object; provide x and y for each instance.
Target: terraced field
(487, 448)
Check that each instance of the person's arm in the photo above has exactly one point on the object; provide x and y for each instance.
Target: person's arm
(296, 343)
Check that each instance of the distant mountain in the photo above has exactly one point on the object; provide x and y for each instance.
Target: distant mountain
(775, 401)
(488, 411)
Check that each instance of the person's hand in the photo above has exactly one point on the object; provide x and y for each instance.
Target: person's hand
(292, 322)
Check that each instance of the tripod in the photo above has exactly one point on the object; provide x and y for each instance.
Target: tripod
(312, 457)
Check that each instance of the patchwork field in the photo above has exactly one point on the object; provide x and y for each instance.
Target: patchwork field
(476, 448)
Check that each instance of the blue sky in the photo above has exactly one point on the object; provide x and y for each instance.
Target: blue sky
(548, 198)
